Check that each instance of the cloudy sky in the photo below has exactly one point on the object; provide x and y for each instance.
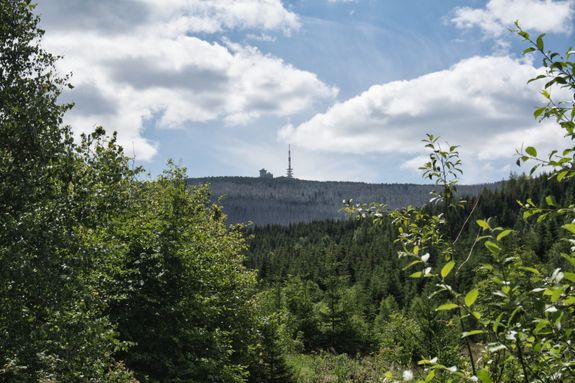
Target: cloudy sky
(223, 86)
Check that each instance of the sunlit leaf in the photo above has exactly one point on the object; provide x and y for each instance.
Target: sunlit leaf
(562, 175)
(446, 307)
(417, 274)
(503, 234)
(530, 269)
(471, 297)
(569, 276)
(550, 200)
(465, 334)
(446, 269)
(483, 224)
(570, 227)
(484, 376)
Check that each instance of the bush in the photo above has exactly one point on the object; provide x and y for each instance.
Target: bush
(517, 323)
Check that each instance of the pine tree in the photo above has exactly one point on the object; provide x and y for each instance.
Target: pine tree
(271, 366)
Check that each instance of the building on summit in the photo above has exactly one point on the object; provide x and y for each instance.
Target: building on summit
(265, 174)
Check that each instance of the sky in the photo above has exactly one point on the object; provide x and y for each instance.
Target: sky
(223, 86)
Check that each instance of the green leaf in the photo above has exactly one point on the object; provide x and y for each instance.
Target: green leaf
(541, 325)
(446, 269)
(539, 111)
(535, 79)
(542, 217)
(569, 259)
(528, 50)
(539, 42)
(523, 34)
(497, 323)
(483, 375)
(562, 175)
(424, 362)
(412, 264)
(503, 234)
(569, 276)
(471, 297)
(493, 247)
(417, 274)
(483, 224)
(447, 306)
(530, 269)
(555, 293)
(531, 151)
(550, 200)
(570, 227)
(471, 333)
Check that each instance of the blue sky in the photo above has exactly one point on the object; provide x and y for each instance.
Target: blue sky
(223, 86)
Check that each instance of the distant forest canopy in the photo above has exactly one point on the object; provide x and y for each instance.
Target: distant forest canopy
(340, 283)
(283, 201)
(278, 251)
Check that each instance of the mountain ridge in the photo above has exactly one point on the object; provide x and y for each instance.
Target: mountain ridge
(282, 200)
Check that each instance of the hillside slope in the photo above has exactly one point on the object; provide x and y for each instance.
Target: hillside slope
(284, 201)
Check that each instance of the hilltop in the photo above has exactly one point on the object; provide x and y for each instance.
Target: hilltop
(282, 200)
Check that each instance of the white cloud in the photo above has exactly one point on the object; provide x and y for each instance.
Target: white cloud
(499, 15)
(261, 37)
(176, 16)
(481, 103)
(154, 69)
(415, 163)
(211, 16)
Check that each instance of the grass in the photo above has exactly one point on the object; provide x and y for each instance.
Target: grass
(330, 368)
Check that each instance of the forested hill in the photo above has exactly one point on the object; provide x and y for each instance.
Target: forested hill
(284, 201)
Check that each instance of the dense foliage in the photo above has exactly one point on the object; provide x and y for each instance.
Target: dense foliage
(57, 201)
(519, 313)
(354, 264)
(186, 307)
(108, 276)
(104, 276)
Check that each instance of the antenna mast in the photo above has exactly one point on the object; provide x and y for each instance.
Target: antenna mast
(289, 169)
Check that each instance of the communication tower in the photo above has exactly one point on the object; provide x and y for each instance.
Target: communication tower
(289, 169)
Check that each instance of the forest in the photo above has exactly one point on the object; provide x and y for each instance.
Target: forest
(264, 201)
(358, 296)
(110, 275)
